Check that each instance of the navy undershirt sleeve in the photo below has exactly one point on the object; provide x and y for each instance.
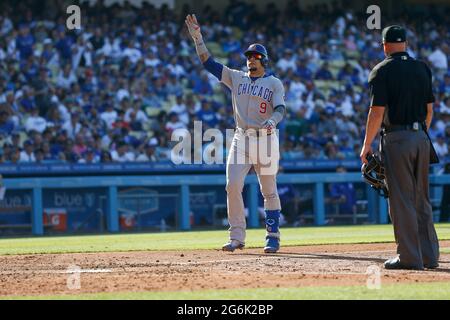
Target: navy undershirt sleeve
(214, 67)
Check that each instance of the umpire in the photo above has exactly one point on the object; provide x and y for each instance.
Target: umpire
(401, 104)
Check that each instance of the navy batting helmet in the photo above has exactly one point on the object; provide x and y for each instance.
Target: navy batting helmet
(258, 48)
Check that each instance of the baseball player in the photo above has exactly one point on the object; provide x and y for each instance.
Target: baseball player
(258, 106)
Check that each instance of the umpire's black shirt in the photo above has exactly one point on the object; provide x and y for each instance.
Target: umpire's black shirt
(404, 86)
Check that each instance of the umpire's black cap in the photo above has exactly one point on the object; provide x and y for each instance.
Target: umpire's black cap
(394, 33)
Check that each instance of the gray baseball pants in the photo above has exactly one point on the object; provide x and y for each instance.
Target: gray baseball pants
(247, 150)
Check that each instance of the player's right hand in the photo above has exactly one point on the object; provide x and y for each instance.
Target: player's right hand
(269, 125)
(193, 27)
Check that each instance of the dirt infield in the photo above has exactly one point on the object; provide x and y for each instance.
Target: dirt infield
(47, 274)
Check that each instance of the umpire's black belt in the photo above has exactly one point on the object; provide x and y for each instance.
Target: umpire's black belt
(416, 126)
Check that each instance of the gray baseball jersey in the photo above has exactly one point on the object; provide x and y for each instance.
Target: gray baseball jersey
(253, 100)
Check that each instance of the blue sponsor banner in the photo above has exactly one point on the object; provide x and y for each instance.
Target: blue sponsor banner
(15, 212)
(74, 210)
(64, 210)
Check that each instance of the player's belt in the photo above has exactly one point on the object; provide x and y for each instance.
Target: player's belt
(253, 132)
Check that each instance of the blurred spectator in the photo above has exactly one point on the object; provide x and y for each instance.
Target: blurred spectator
(201, 84)
(89, 157)
(120, 122)
(152, 60)
(24, 42)
(122, 154)
(439, 59)
(42, 91)
(149, 154)
(444, 87)
(15, 139)
(5, 25)
(6, 125)
(66, 77)
(230, 44)
(290, 201)
(47, 154)
(297, 87)
(73, 125)
(109, 116)
(64, 45)
(441, 146)
(236, 13)
(332, 152)
(105, 157)
(174, 123)
(15, 156)
(288, 61)
(207, 115)
(39, 156)
(303, 70)
(80, 147)
(139, 115)
(35, 122)
(180, 109)
(132, 53)
(444, 107)
(175, 68)
(342, 195)
(27, 155)
(174, 86)
(28, 102)
(348, 74)
(324, 73)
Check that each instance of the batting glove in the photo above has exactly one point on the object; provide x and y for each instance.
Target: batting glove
(193, 27)
(269, 125)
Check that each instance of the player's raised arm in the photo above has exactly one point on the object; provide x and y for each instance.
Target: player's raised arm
(215, 68)
(196, 34)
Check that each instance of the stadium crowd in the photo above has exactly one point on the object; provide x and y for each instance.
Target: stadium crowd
(116, 89)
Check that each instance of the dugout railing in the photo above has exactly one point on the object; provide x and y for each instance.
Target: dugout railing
(377, 206)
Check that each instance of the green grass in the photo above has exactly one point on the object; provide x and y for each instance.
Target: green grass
(432, 291)
(200, 240)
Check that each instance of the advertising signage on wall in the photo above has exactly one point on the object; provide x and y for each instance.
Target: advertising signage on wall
(84, 210)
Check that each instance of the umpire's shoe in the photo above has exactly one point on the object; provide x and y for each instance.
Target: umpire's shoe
(233, 245)
(272, 244)
(395, 264)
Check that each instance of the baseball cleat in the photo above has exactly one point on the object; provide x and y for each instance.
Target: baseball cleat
(233, 245)
(272, 245)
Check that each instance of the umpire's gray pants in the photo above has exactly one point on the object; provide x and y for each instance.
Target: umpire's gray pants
(406, 155)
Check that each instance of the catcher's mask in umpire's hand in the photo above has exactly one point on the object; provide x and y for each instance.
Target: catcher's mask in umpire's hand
(373, 174)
